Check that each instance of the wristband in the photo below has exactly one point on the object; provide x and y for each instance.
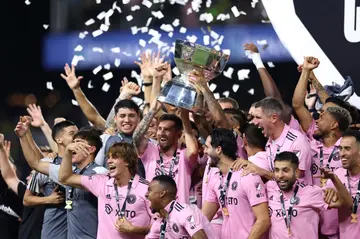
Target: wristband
(147, 84)
(256, 58)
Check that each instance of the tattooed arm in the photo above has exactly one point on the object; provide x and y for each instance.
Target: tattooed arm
(323, 95)
(139, 139)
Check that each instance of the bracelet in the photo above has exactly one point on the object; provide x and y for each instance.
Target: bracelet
(147, 84)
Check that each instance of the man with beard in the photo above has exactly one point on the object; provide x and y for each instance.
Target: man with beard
(166, 157)
(298, 204)
(267, 116)
(242, 198)
(349, 174)
(123, 211)
(178, 220)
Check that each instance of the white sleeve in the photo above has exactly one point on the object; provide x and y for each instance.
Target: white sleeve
(101, 170)
(100, 157)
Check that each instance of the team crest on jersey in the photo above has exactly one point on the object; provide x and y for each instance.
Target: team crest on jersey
(295, 200)
(108, 208)
(314, 168)
(131, 199)
(258, 186)
(175, 228)
(191, 220)
(234, 185)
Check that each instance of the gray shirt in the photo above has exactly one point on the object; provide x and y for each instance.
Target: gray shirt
(83, 217)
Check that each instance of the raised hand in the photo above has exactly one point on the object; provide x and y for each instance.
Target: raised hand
(129, 88)
(145, 65)
(310, 63)
(79, 148)
(70, 77)
(251, 47)
(161, 70)
(36, 115)
(310, 97)
(197, 78)
(22, 126)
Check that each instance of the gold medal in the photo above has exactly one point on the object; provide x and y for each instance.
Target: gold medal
(206, 179)
(289, 232)
(225, 211)
(68, 204)
(122, 219)
(323, 182)
(354, 218)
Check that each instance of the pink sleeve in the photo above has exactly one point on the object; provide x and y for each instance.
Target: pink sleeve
(193, 221)
(151, 150)
(154, 232)
(94, 183)
(211, 194)
(254, 189)
(303, 151)
(294, 124)
(317, 198)
(311, 130)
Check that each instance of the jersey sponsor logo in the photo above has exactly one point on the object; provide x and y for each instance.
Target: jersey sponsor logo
(131, 199)
(191, 220)
(108, 208)
(258, 190)
(108, 196)
(294, 212)
(234, 185)
(232, 201)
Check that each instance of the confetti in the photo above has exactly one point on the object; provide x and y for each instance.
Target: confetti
(148, 21)
(74, 102)
(270, 64)
(170, 34)
(49, 85)
(82, 35)
(262, 42)
(192, 38)
(27, 2)
(235, 87)
(107, 66)
(214, 34)
(109, 13)
(126, 53)
(183, 30)
(89, 22)
(97, 69)
(265, 21)
(135, 7)
(196, 5)
(134, 30)
(114, 6)
(142, 42)
(117, 62)
(217, 47)
(208, 3)
(235, 11)
(104, 27)
(189, 11)
(78, 48)
(253, 3)
(206, 40)
(138, 53)
(129, 18)
(105, 87)
(228, 73)
(108, 76)
(137, 100)
(208, 17)
(223, 17)
(226, 51)
(176, 71)
(125, 1)
(144, 29)
(212, 86)
(90, 86)
(251, 91)
(115, 50)
(97, 49)
(45, 26)
(176, 23)
(217, 95)
(76, 60)
(166, 28)
(97, 33)
(226, 93)
(98, 1)
(157, 14)
(243, 74)
(147, 3)
(101, 15)
(220, 40)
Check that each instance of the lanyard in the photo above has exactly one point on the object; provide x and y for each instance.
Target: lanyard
(175, 160)
(271, 160)
(330, 157)
(117, 198)
(356, 202)
(71, 190)
(293, 201)
(164, 222)
(224, 187)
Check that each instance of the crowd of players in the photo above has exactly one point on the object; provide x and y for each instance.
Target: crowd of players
(275, 171)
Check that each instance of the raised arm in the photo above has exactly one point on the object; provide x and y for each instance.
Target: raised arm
(7, 172)
(28, 146)
(192, 146)
(298, 101)
(323, 95)
(87, 108)
(66, 175)
(270, 88)
(38, 121)
(139, 139)
(197, 78)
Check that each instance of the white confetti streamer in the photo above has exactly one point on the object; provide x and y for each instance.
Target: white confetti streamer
(45, 26)
(76, 60)
(176, 71)
(251, 91)
(49, 85)
(228, 73)
(117, 62)
(27, 2)
(147, 3)
(78, 48)
(216, 95)
(107, 66)
(183, 30)
(97, 49)
(235, 87)
(90, 86)
(115, 49)
(206, 40)
(226, 51)
(235, 11)
(129, 18)
(82, 35)
(243, 74)
(89, 22)
(270, 64)
(104, 27)
(74, 102)
(157, 14)
(226, 93)
(108, 76)
(176, 23)
(135, 7)
(101, 15)
(148, 21)
(97, 69)
(105, 87)
(142, 42)
(212, 86)
(97, 33)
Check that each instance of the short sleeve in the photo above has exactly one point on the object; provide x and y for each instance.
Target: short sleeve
(311, 130)
(211, 194)
(21, 188)
(100, 158)
(37, 182)
(254, 189)
(94, 183)
(154, 232)
(303, 152)
(193, 222)
(317, 198)
(151, 149)
(54, 170)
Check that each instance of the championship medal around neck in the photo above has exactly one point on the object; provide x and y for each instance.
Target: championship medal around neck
(354, 218)
(323, 182)
(68, 204)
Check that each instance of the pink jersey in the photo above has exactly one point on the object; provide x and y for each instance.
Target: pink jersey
(347, 229)
(183, 222)
(311, 130)
(181, 172)
(241, 153)
(243, 193)
(137, 207)
(293, 141)
(260, 159)
(305, 214)
(294, 124)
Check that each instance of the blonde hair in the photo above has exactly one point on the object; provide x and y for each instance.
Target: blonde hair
(127, 153)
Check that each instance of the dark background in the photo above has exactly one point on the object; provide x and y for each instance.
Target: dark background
(22, 75)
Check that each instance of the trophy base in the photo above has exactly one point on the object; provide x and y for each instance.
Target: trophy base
(178, 94)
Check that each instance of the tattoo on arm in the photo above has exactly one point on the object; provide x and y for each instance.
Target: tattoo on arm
(110, 118)
(142, 128)
(320, 90)
(216, 110)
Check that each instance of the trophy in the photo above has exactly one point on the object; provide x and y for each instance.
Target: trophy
(190, 56)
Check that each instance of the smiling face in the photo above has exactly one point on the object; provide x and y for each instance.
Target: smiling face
(65, 137)
(349, 152)
(325, 123)
(126, 120)
(154, 195)
(116, 166)
(285, 175)
(210, 151)
(266, 123)
(167, 134)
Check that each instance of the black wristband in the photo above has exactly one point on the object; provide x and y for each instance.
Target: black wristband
(147, 84)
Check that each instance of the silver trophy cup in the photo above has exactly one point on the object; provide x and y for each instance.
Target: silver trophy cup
(189, 56)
